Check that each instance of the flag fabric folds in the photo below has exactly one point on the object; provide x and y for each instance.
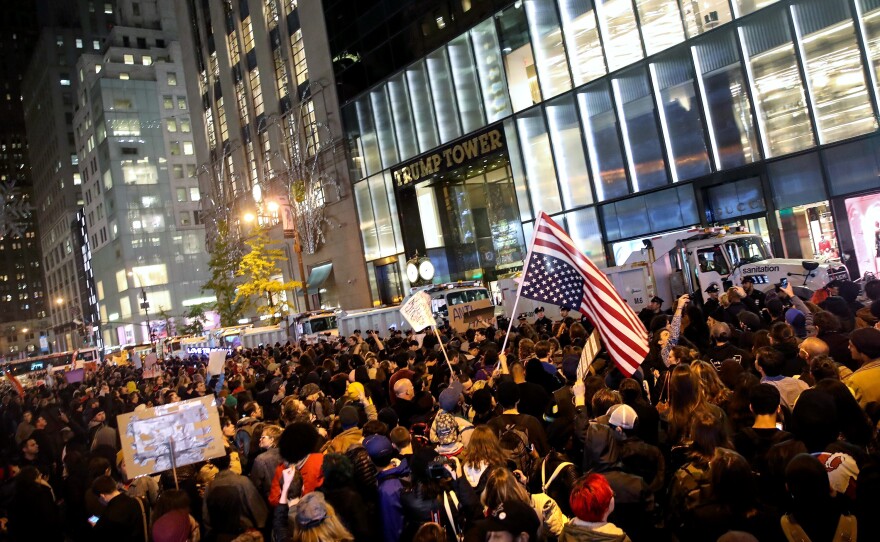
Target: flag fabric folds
(559, 274)
(588, 354)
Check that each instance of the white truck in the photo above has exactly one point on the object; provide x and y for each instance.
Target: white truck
(460, 303)
(689, 261)
(315, 324)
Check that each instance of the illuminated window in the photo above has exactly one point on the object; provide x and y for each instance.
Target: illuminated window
(582, 41)
(185, 126)
(212, 131)
(172, 125)
(181, 103)
(270, 12)
(168, 102)
(312, 136)
(147, 60)
(281, 77)
(242, 103)
(298, 53)
(704, 15)
(172, 79)
(188, 148)
(128, 59)
(256, 91)
(221, 117)
(617, 23)
(252, 164)
(232, 44)
(248, 34)
(660, 23)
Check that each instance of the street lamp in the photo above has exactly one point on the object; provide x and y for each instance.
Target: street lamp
(144, 304)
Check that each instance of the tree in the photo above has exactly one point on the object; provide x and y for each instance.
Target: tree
(224, 252)
(258, 268)
(196, 320)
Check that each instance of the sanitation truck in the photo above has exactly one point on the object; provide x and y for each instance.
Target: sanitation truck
(687, 262)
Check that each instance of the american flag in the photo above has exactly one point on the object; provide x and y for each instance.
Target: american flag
(557, 273)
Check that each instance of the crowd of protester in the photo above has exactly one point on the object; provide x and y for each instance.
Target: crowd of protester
(753, 417)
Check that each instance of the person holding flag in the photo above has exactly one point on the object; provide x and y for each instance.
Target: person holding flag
(557, 273)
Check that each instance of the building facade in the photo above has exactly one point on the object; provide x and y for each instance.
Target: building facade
(49, 87)
(622, 119)
(144, 239)
(267, 129)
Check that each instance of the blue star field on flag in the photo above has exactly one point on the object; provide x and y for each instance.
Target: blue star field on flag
(551, 280)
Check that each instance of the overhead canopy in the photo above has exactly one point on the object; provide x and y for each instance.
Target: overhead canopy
(317, 277)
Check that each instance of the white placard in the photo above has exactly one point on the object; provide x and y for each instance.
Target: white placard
(417, 311)
(216, 360)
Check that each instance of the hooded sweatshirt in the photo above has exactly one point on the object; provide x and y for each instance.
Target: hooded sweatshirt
(579, 531)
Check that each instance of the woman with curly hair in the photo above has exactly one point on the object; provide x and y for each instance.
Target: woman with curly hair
(482, 454)
(713, 389)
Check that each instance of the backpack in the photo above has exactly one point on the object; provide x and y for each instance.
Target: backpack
(846, 530)
(243, 437)
(515, 443)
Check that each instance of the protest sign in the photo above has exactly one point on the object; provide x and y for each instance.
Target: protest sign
(150, 368)
(159, 438)
(417, 311)
(76, 375)
(216, 360)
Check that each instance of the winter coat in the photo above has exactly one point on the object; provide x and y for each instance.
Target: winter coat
(253, 506)
(391, 483)
(343, 441)
(263, 470)
(581, 531)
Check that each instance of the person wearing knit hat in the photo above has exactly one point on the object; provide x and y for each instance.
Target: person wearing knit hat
(308, 390)
(351, 434)
(389, 484)
(864, 345)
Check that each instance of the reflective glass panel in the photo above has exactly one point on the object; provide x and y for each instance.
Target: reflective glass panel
(403, 118)
(465, 77)
(582, 40)
(547, 44)
(744, 7)
(834, 69)
(369, 141)
(660, 21)
(382, 215)
(796, 181)
(680, 117)
(366, 220)
(568, 149)
(583, 228)
(603, 143)
(487, 53)
(445, 105)
(869, 26)
(539, 161)
(519, 172)
(384, 126)
(854, 166)
(641, 138)
(703, 15)
(519, 63)
(779, 92)
(621, 35)
(422, 106)
(728, 110)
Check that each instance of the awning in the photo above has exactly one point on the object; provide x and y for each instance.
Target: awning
(317, 277)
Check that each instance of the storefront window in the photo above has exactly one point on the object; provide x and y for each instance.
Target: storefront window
(603, 143)
(680, 118)
(796, 181)
(583, 228)
(732, 135)
(367, 223)
(539, 161)
(465, 77)
(582, 40)
(779, 93)
(519, 63)
(547, 43)
(661, 24)
(422, 106)
(369, 143)
(519, 172)
(641, 137)
(703, 15)
(620, 32)
(384, 126)
(834, 69)
(445, 104)
(744, 7)
(403, 118)
(568, 149)
(487, 53)
(807, 231)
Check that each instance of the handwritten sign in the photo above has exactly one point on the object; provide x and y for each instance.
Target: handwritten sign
(417, 311)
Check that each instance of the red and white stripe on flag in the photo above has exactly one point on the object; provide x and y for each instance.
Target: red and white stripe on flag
(621, 330)
(588, 354)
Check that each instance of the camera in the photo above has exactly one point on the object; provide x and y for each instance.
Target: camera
(437, 468)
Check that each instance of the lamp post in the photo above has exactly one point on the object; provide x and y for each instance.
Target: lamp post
(144, 304)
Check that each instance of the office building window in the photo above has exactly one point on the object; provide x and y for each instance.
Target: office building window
(660, 23)
(445, 103)
(403, 118)
(744, 7)
(369, 144)
(281, 78)
(464, 76)
(568, 150)
(221, 117)
(384, 126)
(868, 12)
(487, 53)
(779, 92)
(422, 106)
(834, 69)
(519, 171)
(298, 54)
(641, 137)
(247, 30)
(621, 35)
(519, 63)
(680, 118)
(728, 110)
(603, 143)
(703, 15)
(538, 161)
(582, 40)
(256, 91)
(172, 79)
(551, 62)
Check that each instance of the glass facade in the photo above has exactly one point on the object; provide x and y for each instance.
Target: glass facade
(623, 118)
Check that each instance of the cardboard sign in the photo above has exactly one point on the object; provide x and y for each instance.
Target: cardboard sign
(151, 369)
(417, 311)
(190, 430)
(463, 314)
(216, 361)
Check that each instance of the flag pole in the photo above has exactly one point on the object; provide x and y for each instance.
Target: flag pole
(519, 287)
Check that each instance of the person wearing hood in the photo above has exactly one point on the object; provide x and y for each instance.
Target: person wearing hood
(351, 434)
(592, 501)
(392, 475)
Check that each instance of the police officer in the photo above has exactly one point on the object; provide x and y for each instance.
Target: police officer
(711, 304)
(754, 299)
(648, 313)
(543, 325)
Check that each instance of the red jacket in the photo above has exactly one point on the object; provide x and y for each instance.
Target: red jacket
(310, 472)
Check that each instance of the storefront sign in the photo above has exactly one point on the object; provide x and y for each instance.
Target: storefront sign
(450, 157)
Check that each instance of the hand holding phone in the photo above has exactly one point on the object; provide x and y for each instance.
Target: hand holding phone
(93, 520)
